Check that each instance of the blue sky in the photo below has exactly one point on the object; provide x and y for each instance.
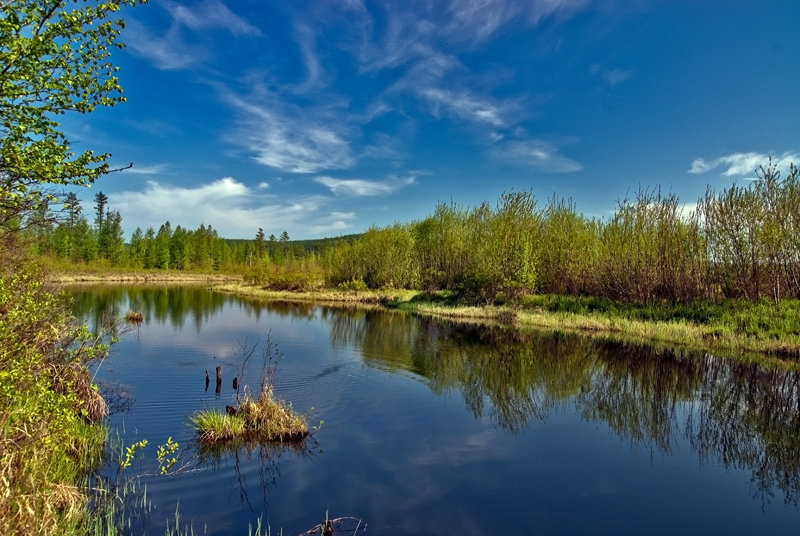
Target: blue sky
(323, 118)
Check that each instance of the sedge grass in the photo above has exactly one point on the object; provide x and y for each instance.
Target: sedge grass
(264, 419)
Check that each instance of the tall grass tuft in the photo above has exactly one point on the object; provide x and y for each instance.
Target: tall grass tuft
(264, 419)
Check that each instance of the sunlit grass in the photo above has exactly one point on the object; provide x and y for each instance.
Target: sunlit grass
(265, 419)
(741, 329)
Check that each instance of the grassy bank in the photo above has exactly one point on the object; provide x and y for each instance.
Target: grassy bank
(51, 431)
(142, 277)
(736, 328)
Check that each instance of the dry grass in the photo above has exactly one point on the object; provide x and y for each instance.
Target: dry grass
(147, 276)
(265, 419)
(134, 317)
(40, 467)
(366, 297)
(677, 333)
(73, 378)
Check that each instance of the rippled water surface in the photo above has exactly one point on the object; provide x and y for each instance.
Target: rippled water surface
(432, 428)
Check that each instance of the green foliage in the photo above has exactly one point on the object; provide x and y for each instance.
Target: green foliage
(46, 402)
(130, 453)
(752, 235)
(53, 60)
(277, 278)
(166, 450)
(568, 250)
(353, 285)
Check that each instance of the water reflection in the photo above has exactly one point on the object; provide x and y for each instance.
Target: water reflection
(267, 456)
(734, 414)
(175, 305)
(739, 415)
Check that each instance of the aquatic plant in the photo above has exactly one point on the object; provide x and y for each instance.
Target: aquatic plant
(263, 419)
(266, 419)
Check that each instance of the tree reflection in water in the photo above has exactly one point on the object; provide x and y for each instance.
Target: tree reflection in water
(268, 454)
(740, 415)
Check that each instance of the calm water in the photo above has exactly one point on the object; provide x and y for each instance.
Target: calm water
(433, 428)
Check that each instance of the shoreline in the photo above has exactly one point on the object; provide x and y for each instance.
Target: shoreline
(677, 334)
(141, 277)
(681, 334)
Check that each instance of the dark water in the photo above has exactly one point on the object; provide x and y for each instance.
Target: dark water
(433, 428)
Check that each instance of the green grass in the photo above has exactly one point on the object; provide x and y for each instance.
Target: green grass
(51, 434)
(264, 419)
(740, 329)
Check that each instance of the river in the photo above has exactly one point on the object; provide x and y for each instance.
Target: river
(430, 427)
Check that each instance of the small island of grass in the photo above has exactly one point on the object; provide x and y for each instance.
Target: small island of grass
(264, 419)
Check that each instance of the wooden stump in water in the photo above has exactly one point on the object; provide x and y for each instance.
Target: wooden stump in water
(207, 380)
(219, 380)
(235, 384)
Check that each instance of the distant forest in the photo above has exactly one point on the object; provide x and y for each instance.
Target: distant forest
(740, 242)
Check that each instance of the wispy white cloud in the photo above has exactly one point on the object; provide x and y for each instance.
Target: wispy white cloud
(465, 106)
(154, 169)
(742, 165)
(475, 21)
(172, 48)
(364, 188)
(210, 14)
(542, 155)
(612, 77)
(290, 140)
(306, 42)
(166, 51)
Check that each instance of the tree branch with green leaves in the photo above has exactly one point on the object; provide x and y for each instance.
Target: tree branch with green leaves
(54, 60)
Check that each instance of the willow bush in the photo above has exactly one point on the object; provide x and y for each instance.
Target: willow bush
(568, 252)
(650, 251)
(741, 242)
(752, 236)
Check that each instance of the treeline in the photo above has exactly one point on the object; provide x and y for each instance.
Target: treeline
(71, 238)
(741, 242)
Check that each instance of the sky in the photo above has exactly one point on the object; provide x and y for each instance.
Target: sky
(323, 118)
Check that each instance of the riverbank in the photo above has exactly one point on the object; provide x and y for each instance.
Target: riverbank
(52, 434)
(149, 277)
(742, 330)
(746, 332)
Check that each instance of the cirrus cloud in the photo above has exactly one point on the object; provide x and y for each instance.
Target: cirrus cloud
(362, 187)
(742, 164)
